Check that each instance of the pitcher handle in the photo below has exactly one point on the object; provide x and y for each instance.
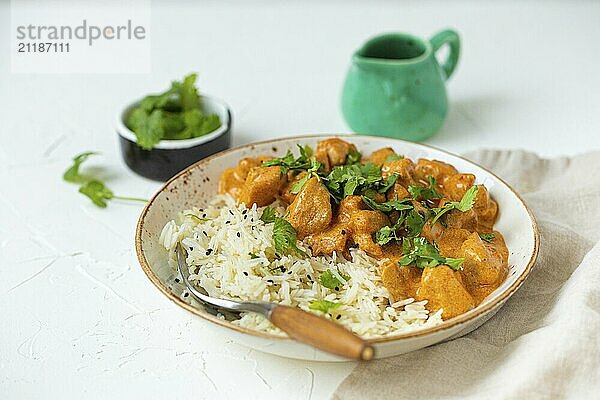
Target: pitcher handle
(451, 38)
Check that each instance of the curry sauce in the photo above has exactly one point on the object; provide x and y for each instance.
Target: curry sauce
(430, 226)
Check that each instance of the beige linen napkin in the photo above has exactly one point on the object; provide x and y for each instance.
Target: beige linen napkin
(545, 342)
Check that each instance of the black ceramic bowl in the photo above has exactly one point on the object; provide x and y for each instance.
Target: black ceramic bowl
(169, 157)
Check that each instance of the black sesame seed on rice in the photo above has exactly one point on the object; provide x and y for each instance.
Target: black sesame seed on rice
(343, 231)
(245, 273)
(338, 316)
(208, 251)
(337, 288)
(186, 294)
(239, 234)
(231, 212)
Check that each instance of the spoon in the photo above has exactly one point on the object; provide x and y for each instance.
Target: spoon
(300, 325)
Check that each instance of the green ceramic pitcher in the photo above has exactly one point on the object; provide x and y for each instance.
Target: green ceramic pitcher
(395, 86)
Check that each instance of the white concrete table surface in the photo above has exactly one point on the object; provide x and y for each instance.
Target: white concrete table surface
(80, 319)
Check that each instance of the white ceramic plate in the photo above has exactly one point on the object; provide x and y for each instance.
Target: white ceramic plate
(195, 185)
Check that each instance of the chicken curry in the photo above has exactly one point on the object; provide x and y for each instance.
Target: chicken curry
(430, 226)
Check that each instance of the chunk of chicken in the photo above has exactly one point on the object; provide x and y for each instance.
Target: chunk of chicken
(310, 212)
(457, 185)
(401, 282)
(397, 192)
(430, 232)
(462, 220)
(363, 225)
(451, 240)
(486, 209)
(438, 169)
(404, 167)
(285, 193)
(332, 152)
(332, 239)
(232, 179)
(485, 264)
(442, 287)
(380, 156)
(261, 186)
(348, 206)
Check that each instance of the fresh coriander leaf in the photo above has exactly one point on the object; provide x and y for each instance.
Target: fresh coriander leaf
(174, 126)
(283, 162)
(414, 223)
(393, 157)
(159, 101)
(385, 235)
(72, 174)
(315, 166)
(306, 152)
(398, 205)
(268, 215)
(330, 281)
(487, 237)
(252, 256)
(423, 254)
(351, 185)
(284, 237)
(468, 200)
(454, 263)
(296, 187)
(406, 245)
(389, 182)
(425, 193)
(324, 305)
(288, 162)
(173, 115)
(188, 94)
(344, 180)
(371, 172)
(354, 156)
(97, 192)
(198, 124)
(465, 204)
(149, 128)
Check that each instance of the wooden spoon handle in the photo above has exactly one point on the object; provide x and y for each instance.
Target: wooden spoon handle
(321, 333)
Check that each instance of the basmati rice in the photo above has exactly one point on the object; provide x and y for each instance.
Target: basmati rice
(231, 255)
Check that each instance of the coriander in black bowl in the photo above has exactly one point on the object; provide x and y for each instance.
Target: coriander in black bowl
(164, 133)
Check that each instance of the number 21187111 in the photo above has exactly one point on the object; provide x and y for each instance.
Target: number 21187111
(43, 47)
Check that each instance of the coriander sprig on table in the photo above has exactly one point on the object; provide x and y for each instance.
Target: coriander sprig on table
(94, 189)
